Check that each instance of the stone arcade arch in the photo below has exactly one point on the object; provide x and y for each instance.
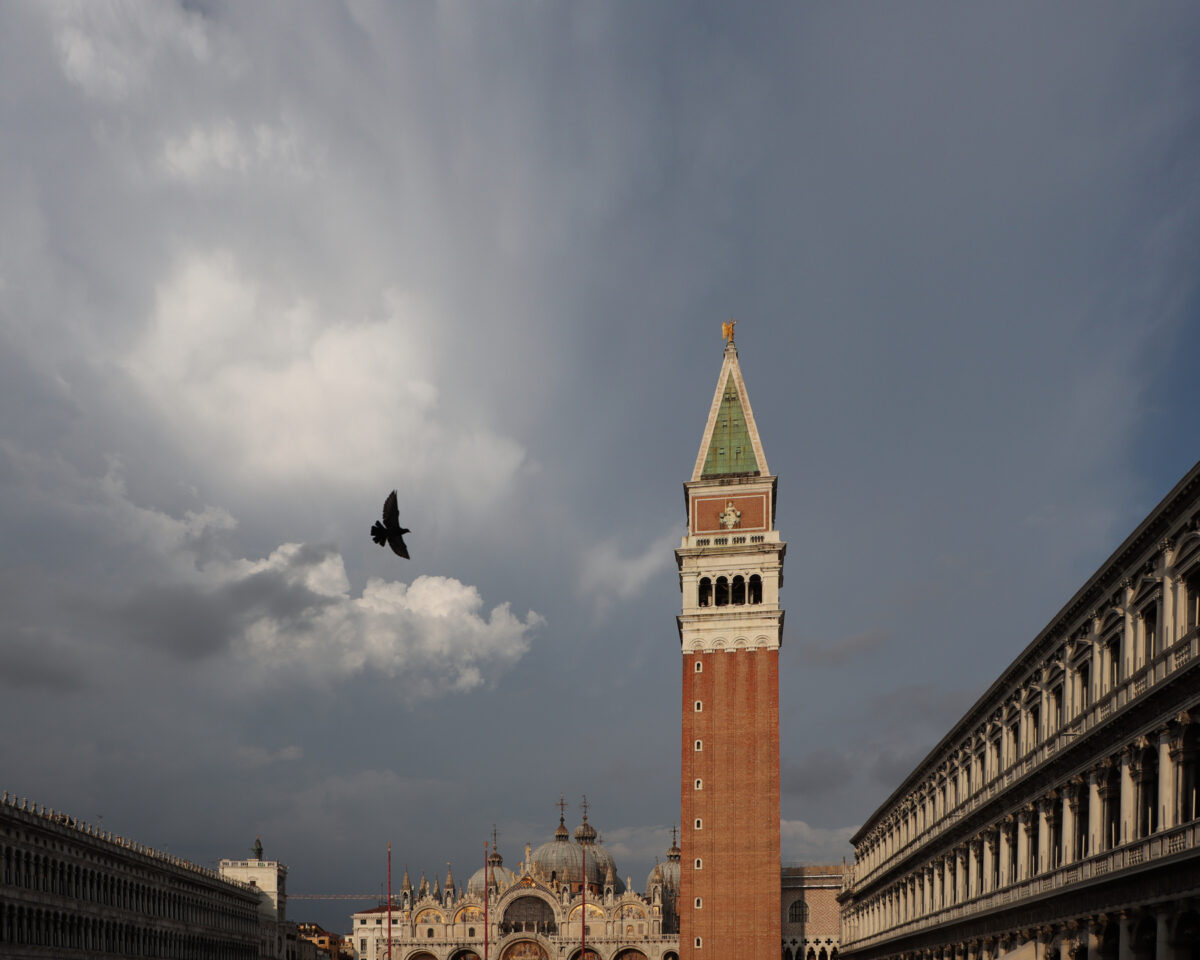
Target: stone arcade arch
(524, 950)
(528, 913)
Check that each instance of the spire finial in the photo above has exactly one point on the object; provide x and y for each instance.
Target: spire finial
(562, 808)
(727, 329)
(584, 807)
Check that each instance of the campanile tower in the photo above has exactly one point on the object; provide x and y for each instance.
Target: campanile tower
(730, 571)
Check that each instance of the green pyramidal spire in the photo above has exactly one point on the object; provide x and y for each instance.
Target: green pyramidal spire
(731, 447)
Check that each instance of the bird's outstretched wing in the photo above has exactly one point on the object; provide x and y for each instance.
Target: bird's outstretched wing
(390, 532)
(391, 512)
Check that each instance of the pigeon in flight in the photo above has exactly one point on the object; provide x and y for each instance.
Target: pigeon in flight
(390, 531)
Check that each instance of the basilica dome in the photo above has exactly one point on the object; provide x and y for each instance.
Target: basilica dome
(562, 861)
(495, 872)
(667, 873)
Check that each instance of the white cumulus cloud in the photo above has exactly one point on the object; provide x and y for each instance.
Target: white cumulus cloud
(260, 379)
(431, 634)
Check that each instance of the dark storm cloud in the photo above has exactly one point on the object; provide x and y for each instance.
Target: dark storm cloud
(837, 653)
(819, 772)
(193, 622)
(181, 620)
(936, 705)
(32, 658)
(889, 767)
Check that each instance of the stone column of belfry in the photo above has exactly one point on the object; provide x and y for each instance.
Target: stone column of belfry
(730, 628)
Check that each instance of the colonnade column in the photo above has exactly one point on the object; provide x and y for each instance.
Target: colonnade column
(1128, 802)
(1092, 935)
(1005, 853)
(989, 855)
(1022, 844)
(1183, 805)
(1162, 944)
(1167, 775)
(1064, 946)
(1125, 937)
(1167, 629)
(1070, 811)
(1042, 863)
(973, 857)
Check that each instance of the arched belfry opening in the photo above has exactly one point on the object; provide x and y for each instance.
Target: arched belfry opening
(739, 590)
(754, 594)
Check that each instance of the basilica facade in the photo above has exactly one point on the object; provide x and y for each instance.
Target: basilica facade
(564, 900)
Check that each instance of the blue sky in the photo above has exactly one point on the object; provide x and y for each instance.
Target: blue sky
(261, 264)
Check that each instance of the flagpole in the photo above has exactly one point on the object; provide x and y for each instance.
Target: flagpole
(389, 918)
(485, 900)
(583, 917)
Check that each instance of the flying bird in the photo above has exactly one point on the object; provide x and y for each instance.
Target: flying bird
(389, 531)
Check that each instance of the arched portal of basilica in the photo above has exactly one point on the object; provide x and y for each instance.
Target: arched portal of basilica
(525, 950)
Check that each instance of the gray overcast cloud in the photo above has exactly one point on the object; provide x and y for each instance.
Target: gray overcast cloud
(262, 263)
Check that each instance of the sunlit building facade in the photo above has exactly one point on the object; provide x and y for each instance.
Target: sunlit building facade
(1059, 815)
(565, 901)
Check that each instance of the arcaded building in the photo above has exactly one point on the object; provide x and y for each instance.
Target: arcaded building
(1059, 815)
(68, 889)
